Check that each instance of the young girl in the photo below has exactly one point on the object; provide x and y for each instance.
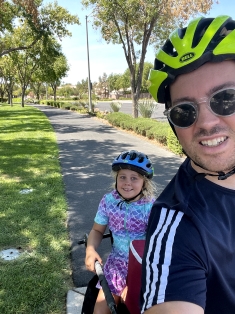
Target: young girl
(125, 211)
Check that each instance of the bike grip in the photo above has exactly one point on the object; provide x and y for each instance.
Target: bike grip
(98, 269)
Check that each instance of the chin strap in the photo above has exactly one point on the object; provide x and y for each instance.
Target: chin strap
(127, 200)
(221, 175)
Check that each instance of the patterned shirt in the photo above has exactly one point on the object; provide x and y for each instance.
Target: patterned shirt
(127, 221)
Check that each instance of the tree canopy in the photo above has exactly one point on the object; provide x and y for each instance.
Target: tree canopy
(136, 23)
(43, 21)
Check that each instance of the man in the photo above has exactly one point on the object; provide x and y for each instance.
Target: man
(189, 259)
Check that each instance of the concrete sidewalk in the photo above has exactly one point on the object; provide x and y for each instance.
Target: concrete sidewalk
(75, 300)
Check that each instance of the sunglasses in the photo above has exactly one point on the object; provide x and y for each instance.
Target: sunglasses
(185, 114)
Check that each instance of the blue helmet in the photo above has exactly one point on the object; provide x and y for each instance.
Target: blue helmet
(135, 161)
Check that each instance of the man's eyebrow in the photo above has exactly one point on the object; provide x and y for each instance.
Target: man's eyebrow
(221, 86)
(209, 93)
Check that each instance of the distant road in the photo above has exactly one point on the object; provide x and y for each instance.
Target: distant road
(127, 108)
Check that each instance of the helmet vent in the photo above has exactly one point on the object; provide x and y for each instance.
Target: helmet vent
(133, 155)
(181, 32)
(200, 31)
(123, 156)
(135, 161)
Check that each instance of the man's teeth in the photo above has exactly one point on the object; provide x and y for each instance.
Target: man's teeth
(213, 142)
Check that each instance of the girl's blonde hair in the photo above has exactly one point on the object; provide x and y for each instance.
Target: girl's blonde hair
(149, 187)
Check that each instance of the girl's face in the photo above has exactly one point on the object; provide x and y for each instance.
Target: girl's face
(129, 183)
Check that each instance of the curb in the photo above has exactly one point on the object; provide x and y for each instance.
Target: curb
(75, 299)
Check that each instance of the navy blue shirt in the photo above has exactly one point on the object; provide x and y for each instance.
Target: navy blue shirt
(190, 245)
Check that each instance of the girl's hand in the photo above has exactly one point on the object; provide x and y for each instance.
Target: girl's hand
(91, 257)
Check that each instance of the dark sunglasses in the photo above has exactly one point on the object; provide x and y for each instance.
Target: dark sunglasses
(185, 114)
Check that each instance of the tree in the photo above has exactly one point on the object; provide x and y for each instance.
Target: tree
(113, 82)
(66, 91)
(136, 23)
(56, 71)
(44, 58)
(7, 72)
(82, 89)
(43, 21)
(102, 86)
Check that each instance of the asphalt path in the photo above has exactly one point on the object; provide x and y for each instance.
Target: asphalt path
(87, 147)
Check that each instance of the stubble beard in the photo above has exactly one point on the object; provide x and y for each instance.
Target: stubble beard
(212, 164)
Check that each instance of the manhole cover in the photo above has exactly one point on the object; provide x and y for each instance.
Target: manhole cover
(9, 254)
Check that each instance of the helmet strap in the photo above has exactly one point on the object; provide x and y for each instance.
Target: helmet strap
(221, 175)
(125, 200)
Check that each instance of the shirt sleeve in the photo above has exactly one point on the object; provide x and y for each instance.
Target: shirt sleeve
(174, 263)
(101, 217)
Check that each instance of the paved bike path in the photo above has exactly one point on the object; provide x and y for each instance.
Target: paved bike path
(87, 147)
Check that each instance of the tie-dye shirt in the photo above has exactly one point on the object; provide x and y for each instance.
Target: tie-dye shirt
(127, 222)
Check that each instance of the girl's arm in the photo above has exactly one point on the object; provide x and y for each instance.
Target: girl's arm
(94, 239)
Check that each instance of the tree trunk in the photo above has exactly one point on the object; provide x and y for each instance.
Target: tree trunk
(54, 91)
(135, 99)
(22, 97)
(10, 96)
(2, 95)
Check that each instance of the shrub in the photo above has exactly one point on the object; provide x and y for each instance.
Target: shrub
(115, 106)
(100, 114)
(65, 105)
(85, 105)
(146, 108)
(158, 132)
(141, 125)
(116, 118)
(126, 124)
(172, 143)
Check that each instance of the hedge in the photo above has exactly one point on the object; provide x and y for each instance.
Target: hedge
(152, 129)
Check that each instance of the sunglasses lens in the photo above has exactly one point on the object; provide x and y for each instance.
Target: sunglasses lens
(223, 103)
(183, 115)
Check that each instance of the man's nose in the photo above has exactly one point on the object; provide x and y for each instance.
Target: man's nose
(206, 118)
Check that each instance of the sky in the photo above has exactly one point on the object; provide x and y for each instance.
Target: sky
(104, 58)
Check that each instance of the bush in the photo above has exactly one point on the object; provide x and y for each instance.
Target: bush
(115, 106)
(172, 143)
(146, 108)
(158, 132)
(141, 125)
(116, 118)
(147, 127)
(85, 105)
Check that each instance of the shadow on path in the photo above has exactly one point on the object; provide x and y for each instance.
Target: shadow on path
(87, 148)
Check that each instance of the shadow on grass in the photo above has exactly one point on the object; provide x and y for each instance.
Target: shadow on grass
(35, 223)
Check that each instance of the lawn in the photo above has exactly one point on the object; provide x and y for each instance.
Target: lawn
(32, 215)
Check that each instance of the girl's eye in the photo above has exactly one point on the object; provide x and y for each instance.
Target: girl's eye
(134, 178)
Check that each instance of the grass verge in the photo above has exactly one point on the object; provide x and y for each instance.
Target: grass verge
(34, 223)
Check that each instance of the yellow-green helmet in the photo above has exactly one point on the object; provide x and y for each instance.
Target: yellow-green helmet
(203, 40)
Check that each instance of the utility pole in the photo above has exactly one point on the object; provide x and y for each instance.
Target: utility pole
(88, 62)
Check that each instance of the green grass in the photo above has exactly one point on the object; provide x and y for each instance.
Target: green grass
(38, 281)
